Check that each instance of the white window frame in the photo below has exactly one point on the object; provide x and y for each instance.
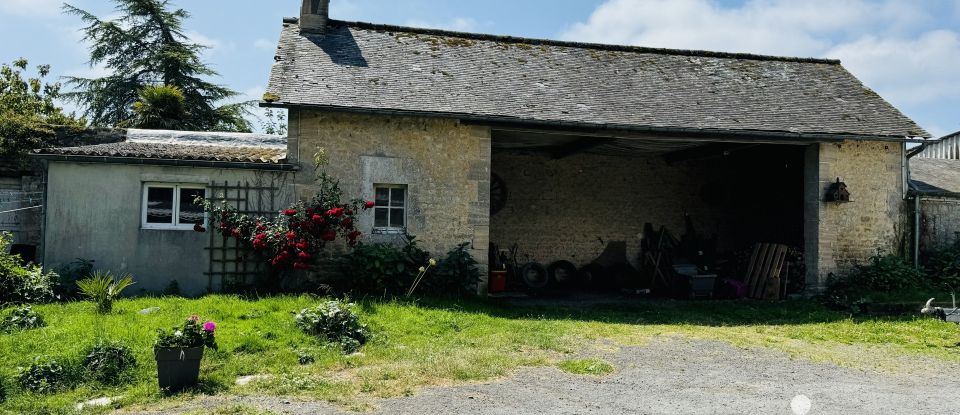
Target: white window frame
(176, 226)
(406, 202)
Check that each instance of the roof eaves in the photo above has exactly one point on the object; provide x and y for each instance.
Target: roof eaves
(233, 164)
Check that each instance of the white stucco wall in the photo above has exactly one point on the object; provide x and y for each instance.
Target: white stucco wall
(93, 212)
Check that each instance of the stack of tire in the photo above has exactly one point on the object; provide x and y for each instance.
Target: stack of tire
(562, 275)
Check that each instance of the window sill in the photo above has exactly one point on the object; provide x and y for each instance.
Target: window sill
(388, 231)
(168, 228)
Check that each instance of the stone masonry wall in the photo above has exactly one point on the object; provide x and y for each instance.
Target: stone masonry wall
(444, 164)
(570, 208)
(874, 219)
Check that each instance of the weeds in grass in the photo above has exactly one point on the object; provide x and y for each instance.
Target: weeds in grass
(591, 366)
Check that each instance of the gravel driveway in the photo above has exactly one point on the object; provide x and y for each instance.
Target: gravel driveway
(668, 376)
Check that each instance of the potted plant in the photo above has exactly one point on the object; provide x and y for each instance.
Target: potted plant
(178, 352)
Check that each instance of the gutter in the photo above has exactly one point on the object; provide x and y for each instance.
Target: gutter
(608, 129)
(169, 162)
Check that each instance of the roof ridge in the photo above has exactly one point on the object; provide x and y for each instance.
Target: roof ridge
(574, 44)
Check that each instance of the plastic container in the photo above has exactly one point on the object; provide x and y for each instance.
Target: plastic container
(498, 281)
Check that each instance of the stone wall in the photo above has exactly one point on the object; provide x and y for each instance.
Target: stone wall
(875, 218)
(443, 163)
(571, 208)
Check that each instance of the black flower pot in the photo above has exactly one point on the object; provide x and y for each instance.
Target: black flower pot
(178, 369)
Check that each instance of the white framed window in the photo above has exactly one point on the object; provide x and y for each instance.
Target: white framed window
(390, 208)
(170, 206)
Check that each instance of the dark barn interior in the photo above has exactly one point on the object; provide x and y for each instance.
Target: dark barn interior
(677, 217)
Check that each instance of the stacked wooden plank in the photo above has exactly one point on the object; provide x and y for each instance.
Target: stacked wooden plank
(763, 277)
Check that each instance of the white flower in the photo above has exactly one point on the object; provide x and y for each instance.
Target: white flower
(433, 262)
(178, 333)
(422, 269)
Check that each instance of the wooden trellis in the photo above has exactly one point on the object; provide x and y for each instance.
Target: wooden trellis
(231, 264)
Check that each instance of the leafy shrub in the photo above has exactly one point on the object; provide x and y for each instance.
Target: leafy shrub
(190, 334)
(881, 274)
(456, 273)
(44, 376)
(109, 361)
(943, 266)
(102, 289)
(3, 390)
(22, 284)
(334, 321)
(22, 318)
(68, 275)
(380, 268)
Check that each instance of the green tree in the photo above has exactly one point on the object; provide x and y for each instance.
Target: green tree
(145, 46)
(29, 114)
(274, 122)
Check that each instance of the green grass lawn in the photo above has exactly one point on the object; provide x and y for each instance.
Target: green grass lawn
(441, 342)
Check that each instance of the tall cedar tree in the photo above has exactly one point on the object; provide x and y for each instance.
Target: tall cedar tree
(29, 115)
(146, 47)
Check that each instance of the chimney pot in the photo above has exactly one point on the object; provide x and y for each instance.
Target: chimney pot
(314, 15)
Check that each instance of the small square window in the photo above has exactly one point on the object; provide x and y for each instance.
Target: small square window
(170, 206)
(389, 212)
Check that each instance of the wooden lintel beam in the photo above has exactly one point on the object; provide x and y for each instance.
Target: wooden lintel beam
(703, 152)
(579, 146)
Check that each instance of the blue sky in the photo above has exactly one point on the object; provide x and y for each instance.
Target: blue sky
(907, 50)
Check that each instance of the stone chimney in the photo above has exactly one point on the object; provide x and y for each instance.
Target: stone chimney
(314, 15)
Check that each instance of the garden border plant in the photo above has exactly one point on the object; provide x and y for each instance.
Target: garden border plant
(103, 288)
(334, 321)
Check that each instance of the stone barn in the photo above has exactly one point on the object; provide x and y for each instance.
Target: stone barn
(562, 148)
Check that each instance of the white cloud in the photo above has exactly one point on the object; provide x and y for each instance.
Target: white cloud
(771, 27)
(881, 42)
(31, 8)
(909, 71)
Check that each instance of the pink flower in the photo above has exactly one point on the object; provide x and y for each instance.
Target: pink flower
(194, 318)
(209, 326)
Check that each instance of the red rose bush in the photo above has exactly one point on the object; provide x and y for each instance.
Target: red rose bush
(295, 237)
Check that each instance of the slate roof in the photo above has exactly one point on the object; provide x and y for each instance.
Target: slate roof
(185, 145)
(935, 176)
(390, 69)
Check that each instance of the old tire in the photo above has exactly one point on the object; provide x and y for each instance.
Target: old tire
(563, 272)
(593, 276)
(534, 276)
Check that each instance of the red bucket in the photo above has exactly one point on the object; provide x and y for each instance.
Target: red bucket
(498, 281)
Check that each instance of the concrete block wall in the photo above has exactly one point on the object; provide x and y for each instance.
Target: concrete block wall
(18, 193)
(443, 163)
(848, 233)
